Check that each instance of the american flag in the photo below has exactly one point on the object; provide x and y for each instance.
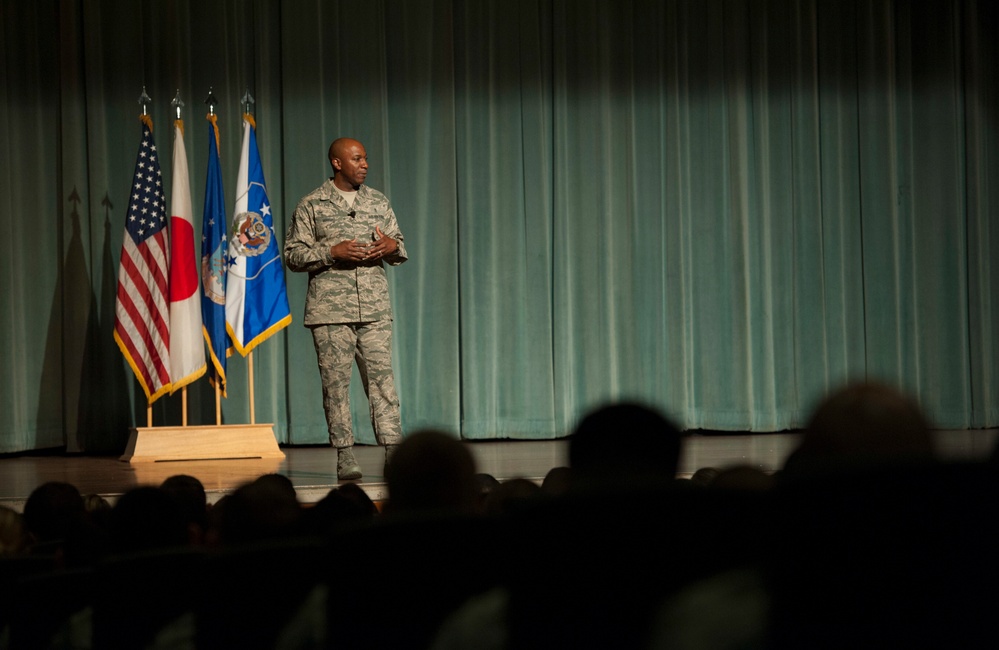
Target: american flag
(142, 320)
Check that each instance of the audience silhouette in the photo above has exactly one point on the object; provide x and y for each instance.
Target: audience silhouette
(865, 538)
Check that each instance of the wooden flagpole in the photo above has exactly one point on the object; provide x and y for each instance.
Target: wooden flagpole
(249, 369)
(218, 401)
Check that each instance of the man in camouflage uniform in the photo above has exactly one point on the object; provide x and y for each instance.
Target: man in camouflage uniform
(342, 234)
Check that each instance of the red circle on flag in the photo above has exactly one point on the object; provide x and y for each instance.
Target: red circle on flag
(183, 270)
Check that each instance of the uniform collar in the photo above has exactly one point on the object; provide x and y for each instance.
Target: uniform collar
(330, 193)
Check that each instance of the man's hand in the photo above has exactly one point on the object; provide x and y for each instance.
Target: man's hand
(350, 250)
(355, 251)
(383, 245)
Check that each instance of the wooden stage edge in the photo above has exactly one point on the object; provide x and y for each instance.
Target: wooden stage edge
(312, 469)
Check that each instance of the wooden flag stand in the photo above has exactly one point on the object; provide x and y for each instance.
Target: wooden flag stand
(158, 444)
(151, 444)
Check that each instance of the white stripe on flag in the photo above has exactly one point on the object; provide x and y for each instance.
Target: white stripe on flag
(187, 347)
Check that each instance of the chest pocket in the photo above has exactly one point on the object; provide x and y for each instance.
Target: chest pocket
(330, 227)
(362, 226)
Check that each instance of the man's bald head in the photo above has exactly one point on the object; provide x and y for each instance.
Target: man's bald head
(340, 147)
(350, 163)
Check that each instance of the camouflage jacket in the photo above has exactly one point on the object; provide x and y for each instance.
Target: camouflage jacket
(339, 291)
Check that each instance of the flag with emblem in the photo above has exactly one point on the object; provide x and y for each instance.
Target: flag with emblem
(187, 347)
(142, 314)
(214, 259)
(256, 301)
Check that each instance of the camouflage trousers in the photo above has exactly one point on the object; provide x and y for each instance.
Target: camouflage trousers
(370, 345)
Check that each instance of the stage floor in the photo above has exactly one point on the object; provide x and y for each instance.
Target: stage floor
(312, 469)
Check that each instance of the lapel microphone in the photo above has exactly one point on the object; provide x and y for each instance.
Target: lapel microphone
(351, 214)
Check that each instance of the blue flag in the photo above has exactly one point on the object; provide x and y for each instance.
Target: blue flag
(256, 301)
(214, 260)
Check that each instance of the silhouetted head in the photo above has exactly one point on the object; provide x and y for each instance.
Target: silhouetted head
(743, 478)
(52, 510)
(264, 509)
(510, 494)
(862, 425)
(556, 481)
(146, 518)
(432, 470)
(624, 442)
(487, 483)
(98, 510)
(703, 476)
(189, 494)
(344, 505)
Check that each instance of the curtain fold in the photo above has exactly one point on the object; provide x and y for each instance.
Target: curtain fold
(722, 208)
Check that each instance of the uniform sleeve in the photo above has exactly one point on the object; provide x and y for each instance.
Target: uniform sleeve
(302, 251)
(393, 231)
